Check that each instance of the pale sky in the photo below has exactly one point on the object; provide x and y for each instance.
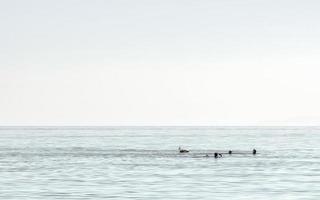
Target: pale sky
(159, 62)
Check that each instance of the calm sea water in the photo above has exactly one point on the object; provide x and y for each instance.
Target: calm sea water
(143, 163)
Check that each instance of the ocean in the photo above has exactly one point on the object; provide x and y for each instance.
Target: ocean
(144, 163)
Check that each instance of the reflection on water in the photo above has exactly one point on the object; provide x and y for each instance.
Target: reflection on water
(144, 163)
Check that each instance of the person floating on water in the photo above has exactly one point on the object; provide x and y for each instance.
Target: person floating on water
(183, 150)
(217, 155)
(254, 151)
(229, 152)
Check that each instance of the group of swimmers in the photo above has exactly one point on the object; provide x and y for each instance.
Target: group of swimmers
(216, 155)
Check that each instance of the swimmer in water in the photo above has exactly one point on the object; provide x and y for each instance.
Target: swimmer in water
(254, 151)
(217, 155)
